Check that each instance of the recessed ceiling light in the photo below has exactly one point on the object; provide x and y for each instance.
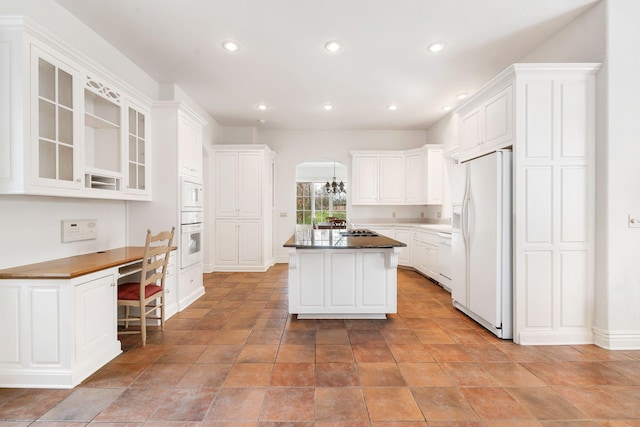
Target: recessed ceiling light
(436, 47)
(262, 106)
(328, 107)
(333, 46)
(462, 95)
(230, 45)
(446, 108)
(392, 107)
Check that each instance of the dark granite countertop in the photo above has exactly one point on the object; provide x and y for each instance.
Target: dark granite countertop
(334, 239)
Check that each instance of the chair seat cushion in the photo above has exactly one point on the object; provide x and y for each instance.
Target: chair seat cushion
(131, 291)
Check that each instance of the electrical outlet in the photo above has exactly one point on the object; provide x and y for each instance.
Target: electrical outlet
(439, 214)
(393, 214)
(421, 214)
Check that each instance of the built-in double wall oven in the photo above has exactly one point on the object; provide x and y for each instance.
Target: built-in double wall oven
(191, 223)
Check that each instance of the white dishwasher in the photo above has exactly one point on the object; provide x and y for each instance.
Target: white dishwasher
(444, 260)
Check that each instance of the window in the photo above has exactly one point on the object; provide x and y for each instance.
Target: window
(312, 202)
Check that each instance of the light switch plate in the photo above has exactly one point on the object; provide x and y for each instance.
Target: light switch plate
(634, 220)
(74, 230)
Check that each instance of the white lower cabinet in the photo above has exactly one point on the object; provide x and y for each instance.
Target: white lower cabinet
(238, 243)
(425, 254)
(171, 287)
(191, 286)
(95, 311)
(404, 235)
(56, 333)
(445, 260)
(423, 250)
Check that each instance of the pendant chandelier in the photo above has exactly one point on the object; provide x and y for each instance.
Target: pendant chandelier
(333, 187)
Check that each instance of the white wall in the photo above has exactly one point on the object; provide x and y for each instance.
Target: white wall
(618, 277)
(295, 147)
(31, 231)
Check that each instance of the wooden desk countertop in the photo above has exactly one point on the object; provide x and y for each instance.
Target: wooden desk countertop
(79, 265)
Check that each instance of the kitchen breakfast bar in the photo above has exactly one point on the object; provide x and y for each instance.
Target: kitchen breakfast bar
(342, 274)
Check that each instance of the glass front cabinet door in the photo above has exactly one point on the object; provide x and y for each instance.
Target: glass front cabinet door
(137, 167)
(55, 122)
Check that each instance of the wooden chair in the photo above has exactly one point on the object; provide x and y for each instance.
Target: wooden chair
(337, 222)
(148, 294)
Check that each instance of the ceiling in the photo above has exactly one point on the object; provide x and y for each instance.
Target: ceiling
(283, 64)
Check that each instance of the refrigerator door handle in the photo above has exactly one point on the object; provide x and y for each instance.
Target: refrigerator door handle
(464, 219)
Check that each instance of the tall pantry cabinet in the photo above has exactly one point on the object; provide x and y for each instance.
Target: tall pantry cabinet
(546, 113)
(243, 207)
(177, 132)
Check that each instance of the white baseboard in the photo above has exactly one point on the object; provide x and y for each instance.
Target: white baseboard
(617, 340)
(282, 259)
(207, 268)
(548, 337)
(189, 299)
(235, 268)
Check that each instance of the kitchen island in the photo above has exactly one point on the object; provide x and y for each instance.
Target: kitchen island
(342, 274)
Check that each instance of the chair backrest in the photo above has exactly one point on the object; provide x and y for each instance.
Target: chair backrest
(337, 222)
(156, 258)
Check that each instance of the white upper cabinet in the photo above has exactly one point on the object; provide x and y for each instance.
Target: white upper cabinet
(239, 183)
(433, 175)
(138, 155)
(68, 130)
(364, 179)
(190, 145)
(413, 162)
(390, 179)
(486, 126)
(412, 177)
(55, 106)
(423, 174)
(377, 178)
(102, 136)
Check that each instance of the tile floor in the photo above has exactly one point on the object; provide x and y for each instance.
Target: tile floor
(236, 358)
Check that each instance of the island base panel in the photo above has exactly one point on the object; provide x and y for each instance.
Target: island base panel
(355, 316)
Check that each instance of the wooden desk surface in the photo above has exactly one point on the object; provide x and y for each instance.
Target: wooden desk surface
(79, 265)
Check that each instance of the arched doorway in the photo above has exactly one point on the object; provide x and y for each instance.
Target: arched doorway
(314, 204)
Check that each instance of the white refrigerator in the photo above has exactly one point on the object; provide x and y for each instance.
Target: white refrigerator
(481, 241)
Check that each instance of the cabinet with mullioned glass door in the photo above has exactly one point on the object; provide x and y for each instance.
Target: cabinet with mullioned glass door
(64, 125)
(55, 118)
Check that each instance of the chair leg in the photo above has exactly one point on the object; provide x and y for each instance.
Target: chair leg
(162, 313)
(126, 317)
(143, 324)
